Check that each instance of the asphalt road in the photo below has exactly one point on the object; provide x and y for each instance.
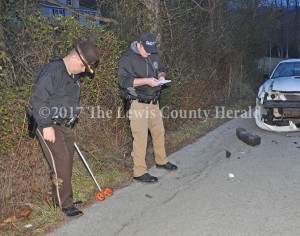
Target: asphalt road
(263, 197)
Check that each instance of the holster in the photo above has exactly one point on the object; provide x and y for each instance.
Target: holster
(127, 103)
(31, 123)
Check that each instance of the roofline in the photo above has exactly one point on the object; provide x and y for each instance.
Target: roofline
(81, 9)
(290, 60)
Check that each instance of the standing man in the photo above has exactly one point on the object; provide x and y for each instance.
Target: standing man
(55, 102)
(140, 72)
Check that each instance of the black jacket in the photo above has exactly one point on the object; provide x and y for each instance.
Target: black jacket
(132, 65)
(55, 93)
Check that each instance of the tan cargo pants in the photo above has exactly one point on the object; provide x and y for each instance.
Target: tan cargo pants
(144, 117)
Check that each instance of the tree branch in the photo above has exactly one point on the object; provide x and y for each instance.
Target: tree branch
(142, 2)
(200, 7)
(104, 19)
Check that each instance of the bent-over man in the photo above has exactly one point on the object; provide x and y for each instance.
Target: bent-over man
(55, 102)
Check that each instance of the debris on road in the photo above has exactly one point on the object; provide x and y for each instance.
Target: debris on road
(231, 175)
(228, 154)
(247, 138)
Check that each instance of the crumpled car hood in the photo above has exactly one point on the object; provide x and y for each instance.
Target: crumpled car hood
(265, 87)
(287, 84)
(284, 84)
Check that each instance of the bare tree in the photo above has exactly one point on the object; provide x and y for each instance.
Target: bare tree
(287, 28)
(297, 26)
(154, 7)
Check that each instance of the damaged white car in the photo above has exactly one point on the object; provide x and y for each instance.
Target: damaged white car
(278, 101)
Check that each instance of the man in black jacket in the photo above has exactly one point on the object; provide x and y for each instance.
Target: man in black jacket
(55, 102)
(139, 76)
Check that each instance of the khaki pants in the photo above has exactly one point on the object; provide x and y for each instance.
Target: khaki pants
(59, 155)
(143, 117)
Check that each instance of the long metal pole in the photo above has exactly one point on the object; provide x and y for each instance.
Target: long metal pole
(86, 165)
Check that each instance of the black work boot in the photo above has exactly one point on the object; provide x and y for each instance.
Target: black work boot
(146, 178)
(167, 166)
(72, 211)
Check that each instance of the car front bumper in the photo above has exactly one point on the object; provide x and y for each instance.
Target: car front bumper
(280, 124)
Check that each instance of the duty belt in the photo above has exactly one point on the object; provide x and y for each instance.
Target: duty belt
(68, 122)
(154, 102)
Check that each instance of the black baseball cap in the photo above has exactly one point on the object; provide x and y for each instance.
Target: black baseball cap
(148, 41)
(88, 53)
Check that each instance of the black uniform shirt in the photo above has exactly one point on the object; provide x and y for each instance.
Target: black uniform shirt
(55, 93)
(132, 65)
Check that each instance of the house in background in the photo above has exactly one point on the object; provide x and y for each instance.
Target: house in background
(50, 9)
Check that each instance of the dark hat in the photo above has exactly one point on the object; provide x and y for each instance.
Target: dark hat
(148, 41)
(88, 53)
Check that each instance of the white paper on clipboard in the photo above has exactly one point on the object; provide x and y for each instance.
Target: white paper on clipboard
(164, 81)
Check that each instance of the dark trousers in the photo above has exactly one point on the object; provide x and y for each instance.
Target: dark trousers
(60, 158)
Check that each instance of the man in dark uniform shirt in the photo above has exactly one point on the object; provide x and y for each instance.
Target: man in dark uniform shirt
(140, 73)
(55, 102)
